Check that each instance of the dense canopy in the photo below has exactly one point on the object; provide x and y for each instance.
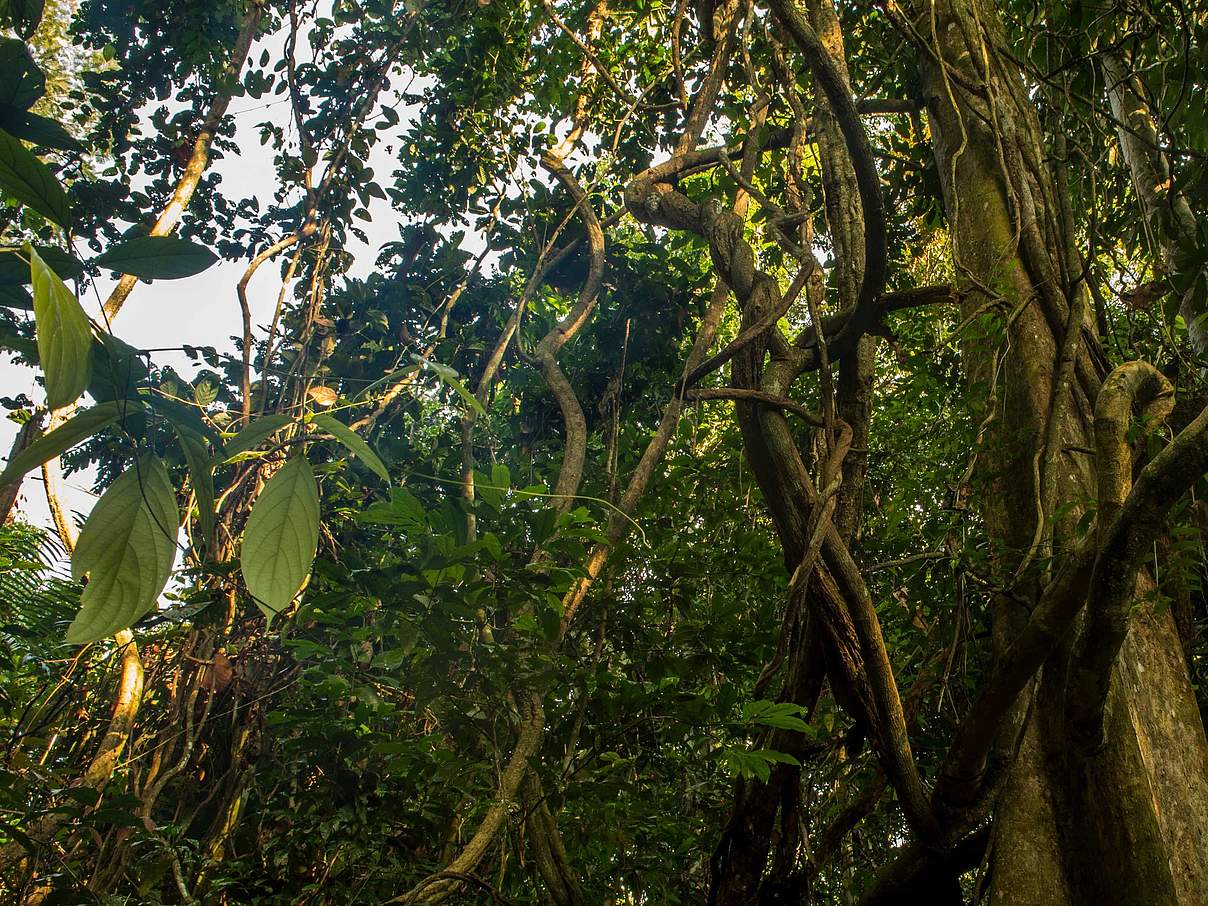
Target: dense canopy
(666, 452)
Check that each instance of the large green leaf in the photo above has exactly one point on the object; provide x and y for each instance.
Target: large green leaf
(403, 509)
(64, 335)
(22, 83)
(255, 433)
(353, 442)
(80, 426)
(30, 181)
(158, 257)
(118, 369)
(16, 296)
(37, 129)
(127, 549)
(201, 477)
(181, 415)
(25, 15)
(281, 537)
(15, 272)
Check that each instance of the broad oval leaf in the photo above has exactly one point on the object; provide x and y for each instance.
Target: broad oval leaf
(281, 537)
(353, 442)
(63, 333)
(30, 181)
(118, 369)
(127, 548)
(79, 427)
(157, 257)
(22, 83)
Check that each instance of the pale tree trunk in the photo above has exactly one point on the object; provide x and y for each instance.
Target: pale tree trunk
(1125, 821)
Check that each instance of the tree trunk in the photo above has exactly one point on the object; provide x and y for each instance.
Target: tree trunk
(1125, 823)
(30, 431)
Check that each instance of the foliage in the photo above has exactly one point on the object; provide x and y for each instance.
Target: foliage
(348, 548)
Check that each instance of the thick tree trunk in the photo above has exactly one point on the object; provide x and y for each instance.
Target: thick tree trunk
(1125, 823)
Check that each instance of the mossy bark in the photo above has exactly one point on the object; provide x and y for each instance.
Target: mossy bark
(1125, 823)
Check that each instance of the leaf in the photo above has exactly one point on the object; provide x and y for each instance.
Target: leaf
(157, 257)
(67, 435)
(16, 297)
(783, 722)
(323, 396)
(118, 369)
(183, 415)
(404, 510)
(771, 755)
(781, 715)
(30, 181)
(14, 270)
(501, 476)
(486, 490)
(26, 16)
(201, 478)
(22, 83)
(255, 433)
(39, 130)
(467, 397)
(281, 537)
(353, 442)
(63, 333)
(127, 548)
(205, 392)
(449, 376)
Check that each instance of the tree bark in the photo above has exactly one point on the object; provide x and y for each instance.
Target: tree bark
(30, 431)
(1123, 824)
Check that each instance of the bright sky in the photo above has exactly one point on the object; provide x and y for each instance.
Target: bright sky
(202, 310)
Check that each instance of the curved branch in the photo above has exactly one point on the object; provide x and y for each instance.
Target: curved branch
(546, 353)
(278, 246)
(843, 108)
(1125, 540)
(655, 202)
(758, 396)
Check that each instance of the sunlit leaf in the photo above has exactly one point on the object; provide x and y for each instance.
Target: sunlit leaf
(281, 537)
(63, 333)
(126, 549)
